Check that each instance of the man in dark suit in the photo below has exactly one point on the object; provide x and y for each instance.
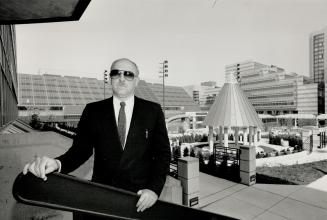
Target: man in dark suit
(128, 136)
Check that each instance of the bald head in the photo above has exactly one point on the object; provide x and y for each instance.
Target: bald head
(125, 64)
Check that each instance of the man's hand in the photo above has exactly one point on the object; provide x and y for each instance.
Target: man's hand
(41, 166)
(146, 200)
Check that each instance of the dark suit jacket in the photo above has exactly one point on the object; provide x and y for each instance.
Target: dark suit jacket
(143, 164)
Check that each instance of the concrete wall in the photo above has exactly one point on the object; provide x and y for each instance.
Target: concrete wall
(35, 139)
(18, 149)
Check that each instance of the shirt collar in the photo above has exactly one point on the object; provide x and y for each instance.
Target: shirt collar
(128, 102)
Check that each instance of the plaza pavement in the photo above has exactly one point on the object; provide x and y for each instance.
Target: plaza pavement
(290, 159)
(264, 201)
(260, 201)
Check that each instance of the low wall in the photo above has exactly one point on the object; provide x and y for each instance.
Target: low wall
(18, 149)
(35, 139)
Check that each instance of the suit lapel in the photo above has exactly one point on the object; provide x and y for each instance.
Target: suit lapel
(133, 124)
(109, 123)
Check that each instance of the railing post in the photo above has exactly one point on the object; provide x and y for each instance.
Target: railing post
(188, 174)
(247, 165)
(172, 191)
(315, 138)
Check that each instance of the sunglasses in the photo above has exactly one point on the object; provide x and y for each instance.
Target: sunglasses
(128, 75)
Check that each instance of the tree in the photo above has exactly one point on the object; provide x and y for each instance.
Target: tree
(202, 165)
(186, 152)
(192, 154)
(35, 122)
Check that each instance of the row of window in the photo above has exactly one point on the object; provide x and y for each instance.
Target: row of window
(273, 103)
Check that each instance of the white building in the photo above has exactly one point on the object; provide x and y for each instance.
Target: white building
(272, 90)
(203, 94)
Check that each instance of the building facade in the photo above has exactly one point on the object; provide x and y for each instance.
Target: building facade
(55, 97)
(318, 64)
(203, 94)
(177, 100)
(272, 90)
(318, 58)
(8, 75)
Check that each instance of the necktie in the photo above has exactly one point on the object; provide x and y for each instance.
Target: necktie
(122, 124)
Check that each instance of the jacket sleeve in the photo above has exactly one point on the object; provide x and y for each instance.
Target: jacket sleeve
(82, 148)
(161, 155)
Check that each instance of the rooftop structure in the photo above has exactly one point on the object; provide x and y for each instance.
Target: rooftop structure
(176, 99)
(232, 108)
(50, 94)
(37, 11)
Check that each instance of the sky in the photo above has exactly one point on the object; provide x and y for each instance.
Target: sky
(197, 37)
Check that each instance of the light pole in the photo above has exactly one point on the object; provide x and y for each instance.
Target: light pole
(163, 73)
(105, 80)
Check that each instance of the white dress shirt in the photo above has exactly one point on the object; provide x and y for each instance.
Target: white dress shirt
(128, 111)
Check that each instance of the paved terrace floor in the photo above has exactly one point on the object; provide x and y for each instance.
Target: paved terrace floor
(260, 201)
(264, 201)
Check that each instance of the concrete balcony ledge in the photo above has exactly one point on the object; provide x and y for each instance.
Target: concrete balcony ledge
(48, 138)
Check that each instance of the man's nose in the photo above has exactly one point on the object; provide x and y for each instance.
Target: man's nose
(121, 77)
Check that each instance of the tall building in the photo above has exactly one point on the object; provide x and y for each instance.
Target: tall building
(272, 90)
(8, 75)
(318, 57)
(318, 64)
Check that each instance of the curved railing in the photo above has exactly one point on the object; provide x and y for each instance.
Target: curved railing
(68, 193)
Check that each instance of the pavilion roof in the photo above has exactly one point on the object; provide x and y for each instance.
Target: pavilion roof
(232, 108)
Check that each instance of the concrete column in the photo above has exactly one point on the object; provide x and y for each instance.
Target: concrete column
(221, 135)
(225, 136)
(188, 174)
(245, 136)
(250, 135)
(236, 135)
(255, 136)
(259, 135)
(210, 137)
(194, 122)
(248, 165)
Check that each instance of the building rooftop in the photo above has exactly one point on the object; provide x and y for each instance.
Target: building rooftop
(38, 11)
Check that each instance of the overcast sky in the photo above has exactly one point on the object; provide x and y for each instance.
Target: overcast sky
(198, 38)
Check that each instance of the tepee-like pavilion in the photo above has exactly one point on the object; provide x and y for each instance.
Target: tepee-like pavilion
(233, 113)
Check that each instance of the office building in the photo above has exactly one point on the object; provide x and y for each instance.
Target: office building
(272, 90)
(8, 75)
(203, 94)
(318, 64)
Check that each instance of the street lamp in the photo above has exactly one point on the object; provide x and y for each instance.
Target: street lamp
(163, 71)
(105, 80)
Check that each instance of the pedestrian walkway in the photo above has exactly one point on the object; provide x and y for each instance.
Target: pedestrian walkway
(264, 201)
(296, 158)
